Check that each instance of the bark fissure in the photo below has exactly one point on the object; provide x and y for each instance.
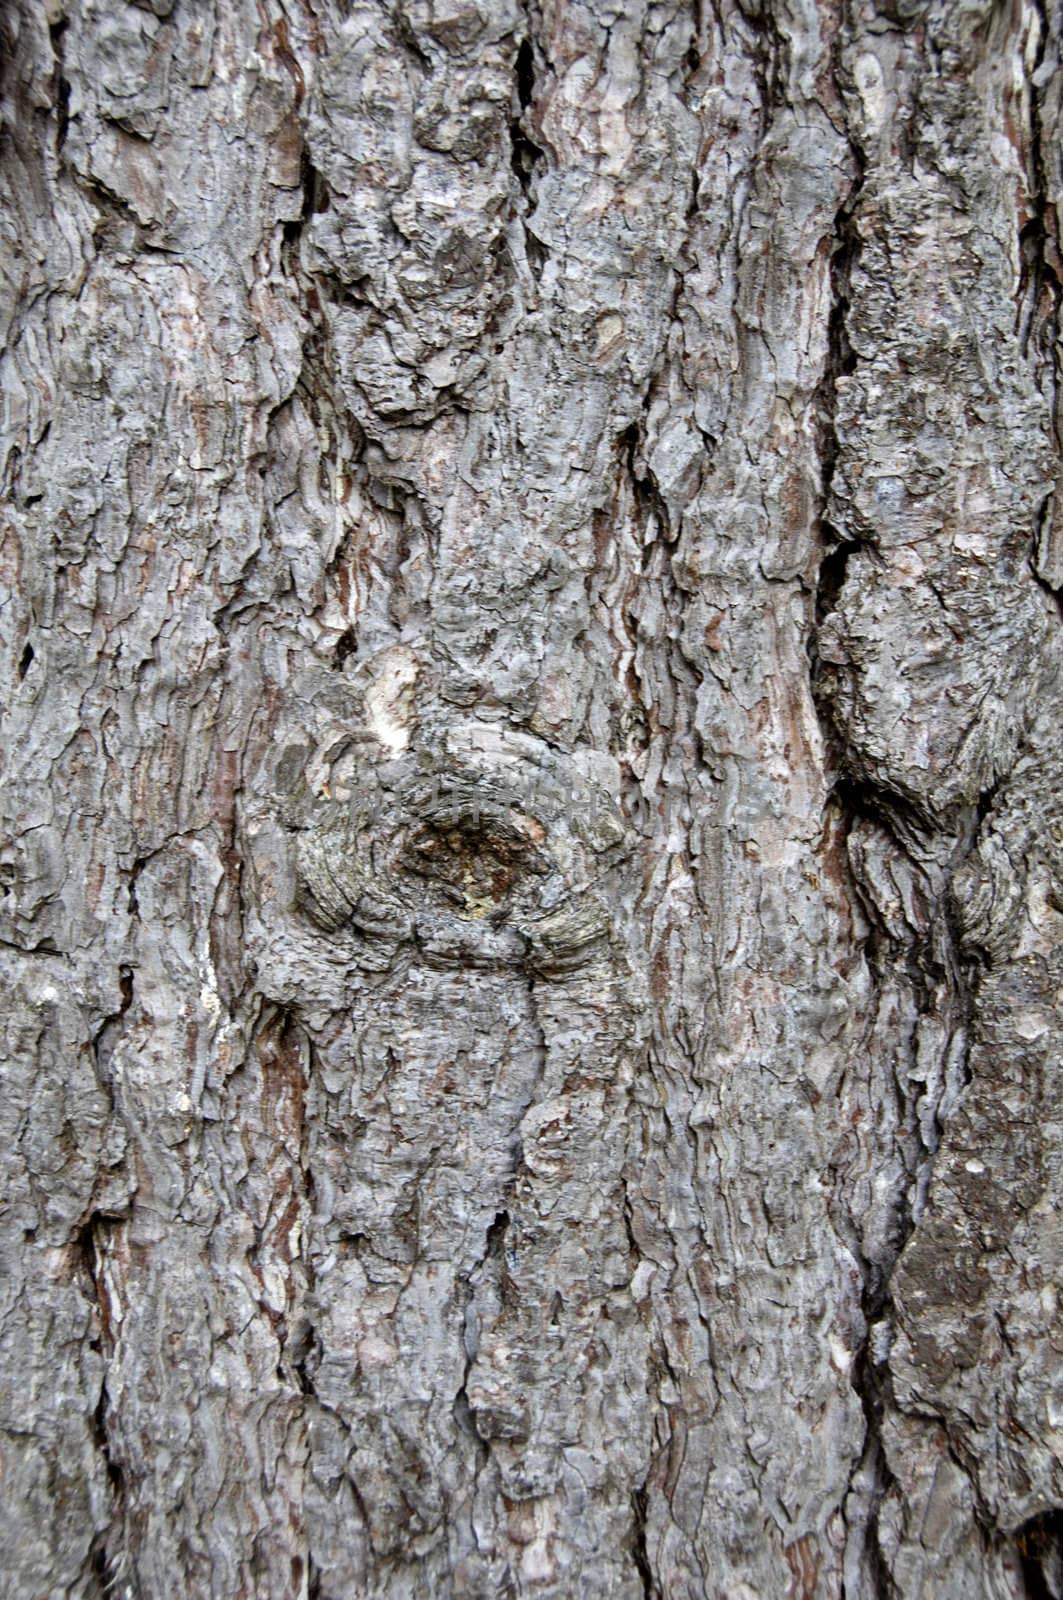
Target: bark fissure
(61, 94)
(1045, 520)
(109, 1553)
(1040, 1545)
(641, 1558)
(525, 152)
(928, 958)
(527, 157)
(840, 361)
(1038, 237)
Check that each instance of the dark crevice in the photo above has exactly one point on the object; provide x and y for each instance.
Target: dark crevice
(346, 646)
(107, 200)
(316, 198)
(870, 1376)
(301, 1348)
(494, 1243)
(900, 816)
(1040, 1545)
(841, 357)
(44, 947)
(647, 490)
(118, 225)
(493, 1251)
(840, 362)
(539, 1044)
(986, 803)
(285, 1052)
(1040, 542)
(658, 569)
(1040, 290)
(872, 1388)
(135, 870)
(525, 73)
(315, 291)
(930, 964)
(634, 1248)
(412, 44)
(960, 968)
(25, 661)
(931, 967)
(535, 253)
(639, 1552)
(11, 475)
(1040, 294)
(109, 1022)
(62, 84)
(909, 816)
(462, 1410)
(300, 1352)
(88, 1248)
(831, 579)
(770, 59)
(525, 154)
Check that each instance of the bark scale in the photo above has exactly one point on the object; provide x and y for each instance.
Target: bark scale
(532, 847)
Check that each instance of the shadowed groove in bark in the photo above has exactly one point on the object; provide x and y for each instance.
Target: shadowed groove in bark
(869, 1376)
(830, 582)
(770, 56)
(932, 964)
(639, 1553)
(113, 1019)
(315, 200)
(1040, 1545)
(526, 153)
(526, 156)
(644, 483)
(870, 1381)
(874, 1392)
(1045, 517)
(1039, 282)
(840, 362)
(108, 1552)
(56, 34)
(1038, 238)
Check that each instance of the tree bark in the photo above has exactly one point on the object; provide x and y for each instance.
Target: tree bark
(531, 874)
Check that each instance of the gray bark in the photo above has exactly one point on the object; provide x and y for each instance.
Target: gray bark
(533, 794)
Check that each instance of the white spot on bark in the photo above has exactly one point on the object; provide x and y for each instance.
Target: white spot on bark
(389, 699)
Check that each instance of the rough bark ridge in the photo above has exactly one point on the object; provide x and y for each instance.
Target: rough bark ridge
(531, 876)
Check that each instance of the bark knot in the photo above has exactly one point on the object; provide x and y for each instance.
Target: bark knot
(478, 863)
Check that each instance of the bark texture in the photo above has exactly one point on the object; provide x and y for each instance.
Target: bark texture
(532, 865)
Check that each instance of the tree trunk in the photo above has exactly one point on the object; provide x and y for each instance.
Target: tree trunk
(534, 799)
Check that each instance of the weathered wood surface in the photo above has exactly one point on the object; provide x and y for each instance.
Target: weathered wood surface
(531, 872)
